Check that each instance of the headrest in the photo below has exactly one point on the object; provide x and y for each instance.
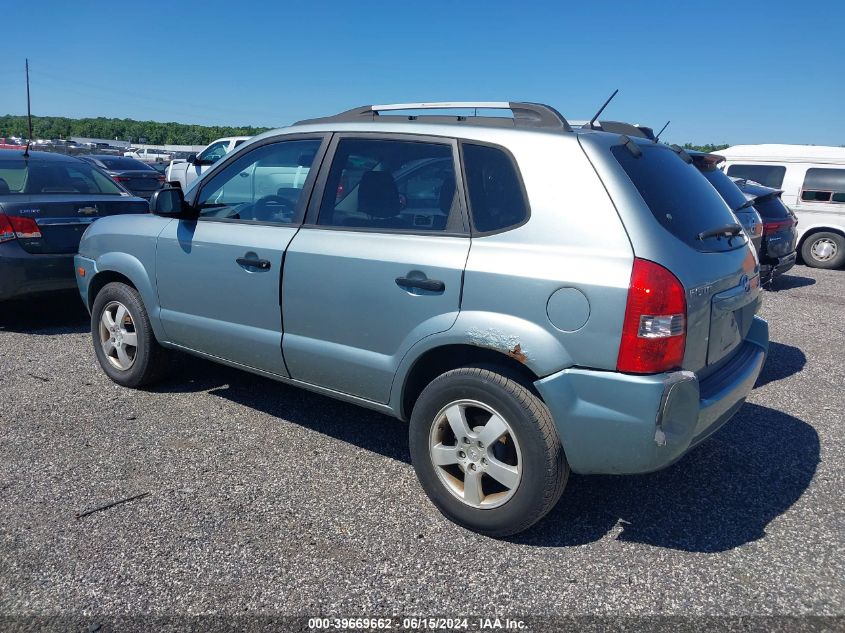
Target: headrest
(377, 195)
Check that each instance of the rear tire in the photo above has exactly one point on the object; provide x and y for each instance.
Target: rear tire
(494, 476)
(123, 338)
(824, 250)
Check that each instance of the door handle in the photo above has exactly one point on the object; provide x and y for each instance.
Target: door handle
(432, 285)
(261, 264)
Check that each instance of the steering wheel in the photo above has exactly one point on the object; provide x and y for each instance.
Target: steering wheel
(273, 208)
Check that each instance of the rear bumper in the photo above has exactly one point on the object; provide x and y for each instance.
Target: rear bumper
(775, 267)
(612, 423)
(23, 273)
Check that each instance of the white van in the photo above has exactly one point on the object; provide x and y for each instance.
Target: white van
(812, 178)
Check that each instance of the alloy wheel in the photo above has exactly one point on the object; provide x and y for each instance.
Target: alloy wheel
(475, 454)
(118, 337)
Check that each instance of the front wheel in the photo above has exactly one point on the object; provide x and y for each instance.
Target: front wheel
(486, 451)
(824, 250)
(123, 337)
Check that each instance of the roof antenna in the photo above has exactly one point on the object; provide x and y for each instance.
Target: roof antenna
(657, 136)
(601, 109)
(28, 112)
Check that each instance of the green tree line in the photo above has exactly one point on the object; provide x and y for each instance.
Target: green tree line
(710, 147)
(155, 132)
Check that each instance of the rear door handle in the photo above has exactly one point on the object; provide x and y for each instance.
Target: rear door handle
(261, 264)
(432, 285)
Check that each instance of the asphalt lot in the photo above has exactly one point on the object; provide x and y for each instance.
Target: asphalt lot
(267, 499)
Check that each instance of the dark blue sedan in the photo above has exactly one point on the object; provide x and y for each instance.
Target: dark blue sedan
(46, 203)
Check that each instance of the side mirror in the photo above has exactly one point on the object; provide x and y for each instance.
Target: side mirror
(192, 158)
(170, 203)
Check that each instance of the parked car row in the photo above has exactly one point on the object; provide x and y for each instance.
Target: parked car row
(533, 297)
(136, 176)
(812, 182)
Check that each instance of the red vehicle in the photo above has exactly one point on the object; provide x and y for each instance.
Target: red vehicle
(9, 143)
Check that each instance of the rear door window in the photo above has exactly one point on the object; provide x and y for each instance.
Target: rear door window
(824, 185)
(381, 184)
(679, 196)
(768, 175)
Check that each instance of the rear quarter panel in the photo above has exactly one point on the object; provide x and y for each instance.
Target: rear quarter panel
(572, 259)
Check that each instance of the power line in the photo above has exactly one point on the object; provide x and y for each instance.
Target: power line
(120, 97)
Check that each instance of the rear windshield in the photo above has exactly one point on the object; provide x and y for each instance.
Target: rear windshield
(20, 176)
(771, 207)
(679, 197)
(124, 163)
(725, 186)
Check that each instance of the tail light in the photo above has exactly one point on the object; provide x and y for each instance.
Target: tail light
(12, 226)
(654, 333)
(777, 225)
(120, 178)
(161, 178)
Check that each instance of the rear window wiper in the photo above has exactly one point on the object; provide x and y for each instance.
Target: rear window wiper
(728, 230)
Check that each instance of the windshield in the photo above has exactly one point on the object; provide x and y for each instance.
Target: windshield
(679, 196)
(20, 176)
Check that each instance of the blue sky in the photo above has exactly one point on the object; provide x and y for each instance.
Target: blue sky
(732, 72)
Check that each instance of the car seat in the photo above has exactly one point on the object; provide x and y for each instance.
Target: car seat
(378, 198)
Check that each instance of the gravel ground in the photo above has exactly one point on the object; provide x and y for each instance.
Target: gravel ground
(265, 499)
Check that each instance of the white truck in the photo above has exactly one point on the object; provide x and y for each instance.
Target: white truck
(149, 155)
(182, 173)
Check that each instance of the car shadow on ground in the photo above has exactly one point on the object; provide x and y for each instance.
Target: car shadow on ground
(720, 496)
(56, 313)
(788, 282)
(362, 427)
(782, 362)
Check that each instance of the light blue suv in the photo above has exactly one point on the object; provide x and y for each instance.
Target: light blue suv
(533, 298)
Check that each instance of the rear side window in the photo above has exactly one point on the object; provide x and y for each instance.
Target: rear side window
(389, 185)
(679, 197)
(824, 185)
(496, 196)
(769, 175)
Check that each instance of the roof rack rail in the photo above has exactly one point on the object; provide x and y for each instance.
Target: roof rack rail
(524, 114)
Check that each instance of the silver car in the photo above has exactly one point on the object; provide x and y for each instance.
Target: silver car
(532, 298)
